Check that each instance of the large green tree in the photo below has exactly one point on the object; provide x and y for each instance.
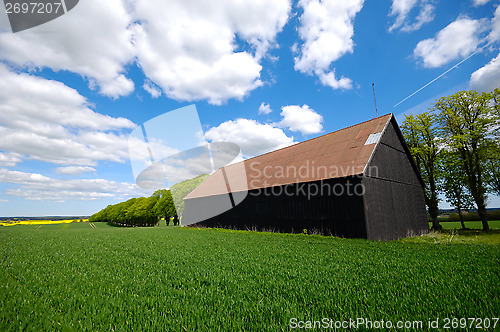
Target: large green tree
(422, 137)
(469, 123)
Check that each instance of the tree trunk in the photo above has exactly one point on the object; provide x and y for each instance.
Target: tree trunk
(481, 210)
(434, 211)
(461, 218)
(432, 203)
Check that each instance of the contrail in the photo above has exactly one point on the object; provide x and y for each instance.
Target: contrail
(434, 80)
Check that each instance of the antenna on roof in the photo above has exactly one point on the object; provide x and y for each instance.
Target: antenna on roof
(375, 99)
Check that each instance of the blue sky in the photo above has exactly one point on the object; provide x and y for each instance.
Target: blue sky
(262, 74)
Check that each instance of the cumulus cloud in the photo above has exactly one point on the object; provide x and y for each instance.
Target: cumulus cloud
(402, 8)
(326, 29)
(93, 40)
(265, 108)
(190, 49)
(74, 170)
(301, 118)
(329, 79)
(459, 39)
(254, 138)
(34, 186)
(47, 120)
(488, 77)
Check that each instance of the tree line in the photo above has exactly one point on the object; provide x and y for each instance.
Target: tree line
(456, 147)
(148, 211)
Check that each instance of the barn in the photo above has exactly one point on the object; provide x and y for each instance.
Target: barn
(358, 182)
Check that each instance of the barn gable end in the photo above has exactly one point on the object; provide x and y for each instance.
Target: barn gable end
(394, 200)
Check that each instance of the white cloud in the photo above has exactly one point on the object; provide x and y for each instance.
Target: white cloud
(488, 77)
(480, 2)
(94, 40)
(301, 118)
(402, 8)
(459, 39)
(74, 170)
(495, 27)
(152, 89)
(9, 159)
(47, 120)
(189, 49)
(329, 79)
(326, 29)
(426, 15)
(265, 108)
(34, 186)
(254, 138)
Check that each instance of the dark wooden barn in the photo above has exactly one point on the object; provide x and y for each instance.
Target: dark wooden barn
(358, 182)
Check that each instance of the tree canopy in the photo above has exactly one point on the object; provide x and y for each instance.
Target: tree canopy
(142, 211)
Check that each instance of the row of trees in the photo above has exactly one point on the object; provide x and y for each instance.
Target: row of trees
(147, 211)
(456, 148)
(142, 211)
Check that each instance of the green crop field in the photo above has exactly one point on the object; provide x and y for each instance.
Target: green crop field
(74, 277)
(494, 224)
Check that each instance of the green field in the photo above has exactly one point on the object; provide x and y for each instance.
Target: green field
(494, 224)
(74, 277)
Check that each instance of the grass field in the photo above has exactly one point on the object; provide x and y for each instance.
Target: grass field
(74, 277)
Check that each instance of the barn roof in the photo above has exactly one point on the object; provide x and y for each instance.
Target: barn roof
(339, 154)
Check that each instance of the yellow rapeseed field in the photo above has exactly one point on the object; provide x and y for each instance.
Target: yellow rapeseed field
(40, 222)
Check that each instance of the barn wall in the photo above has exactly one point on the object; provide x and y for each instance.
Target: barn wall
(394, 210)
(274, 209)
(394, 198)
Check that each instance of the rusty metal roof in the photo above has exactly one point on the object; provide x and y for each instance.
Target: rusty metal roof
(342, 153)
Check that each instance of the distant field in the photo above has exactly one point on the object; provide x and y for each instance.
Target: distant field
(74, 277)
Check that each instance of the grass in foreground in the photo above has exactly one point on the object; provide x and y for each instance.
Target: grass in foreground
(74, 277)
